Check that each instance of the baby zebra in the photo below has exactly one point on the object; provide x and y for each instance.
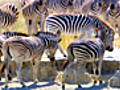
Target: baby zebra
(23, 49)
(89, 50)
(8, 15)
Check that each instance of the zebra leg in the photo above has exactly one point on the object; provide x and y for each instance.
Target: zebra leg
(61, 50)
(99, 69)
(76, 79)
(64, 75)
(94, 71)
(42, 23)
(34, 25)
(18, 71)
(29, 24)
(35, 69)
(0, 29)
(82, 36)
(7, 60)
(119, 29)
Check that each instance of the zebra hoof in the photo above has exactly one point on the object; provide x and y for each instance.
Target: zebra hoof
(65, 55)
(63, 86)
(79, 86)
(36, 81)
(6, 86)
(100, 82)
(24, 85)
(95, 81)
(9, 77)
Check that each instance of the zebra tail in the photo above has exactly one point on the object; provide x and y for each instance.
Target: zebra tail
(65, 64)
(7, 57)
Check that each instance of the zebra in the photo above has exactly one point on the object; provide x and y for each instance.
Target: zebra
(23, 49)
(3, 37)
(113, 14)
(34, 12)
(89, 50)
(56, 6)
(70, 24)
(8, 15)
(89, 7)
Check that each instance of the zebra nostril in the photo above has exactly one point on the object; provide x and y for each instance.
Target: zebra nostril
(100, 4)
(112, 6)
(109, 48)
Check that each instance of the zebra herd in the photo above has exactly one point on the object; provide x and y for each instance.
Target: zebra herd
(73, 17)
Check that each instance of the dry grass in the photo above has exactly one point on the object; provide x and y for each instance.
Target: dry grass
(20, 26)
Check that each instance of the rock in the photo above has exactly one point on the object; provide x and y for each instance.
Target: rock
(83, 76)
(114, 81)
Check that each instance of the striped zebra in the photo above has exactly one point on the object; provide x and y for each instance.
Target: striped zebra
(89, 50)
(3, 37)
(34, 13)
(113, 15)
(91, 7)
(50, 52)
(59, 6)
(23, 49)
(69, 24)
(8, 15)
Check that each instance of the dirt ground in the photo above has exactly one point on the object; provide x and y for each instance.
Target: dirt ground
(55, 85)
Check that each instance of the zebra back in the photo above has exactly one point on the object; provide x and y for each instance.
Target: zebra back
(49, 36)
(10, 34)
(70, 24)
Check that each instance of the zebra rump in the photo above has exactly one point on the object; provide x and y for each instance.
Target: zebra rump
(8, 15)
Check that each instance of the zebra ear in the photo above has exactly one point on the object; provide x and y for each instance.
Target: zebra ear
(59, 40)
(97, 29)
(58, 33)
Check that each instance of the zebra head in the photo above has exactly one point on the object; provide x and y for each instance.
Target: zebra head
(51, 41)
(67, 2)
(107, 36)
(113, 4)
(115, 8)
(96, 7)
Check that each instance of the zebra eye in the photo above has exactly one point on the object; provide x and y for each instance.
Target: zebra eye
(106, 31)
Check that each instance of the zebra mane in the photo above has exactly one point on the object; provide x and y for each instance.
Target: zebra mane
(10, 34)
(107, 24)
(45, 34)
(48, 35)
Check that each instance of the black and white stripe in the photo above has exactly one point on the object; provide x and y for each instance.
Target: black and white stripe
(8, 15)
(27, 49)
(89, 50)
(113, 14)
(34, 12)
(75, 24)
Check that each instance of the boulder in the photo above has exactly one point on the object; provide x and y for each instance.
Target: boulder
(114, 81)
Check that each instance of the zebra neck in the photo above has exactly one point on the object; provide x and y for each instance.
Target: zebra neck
(46, 42)
(96, 22)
